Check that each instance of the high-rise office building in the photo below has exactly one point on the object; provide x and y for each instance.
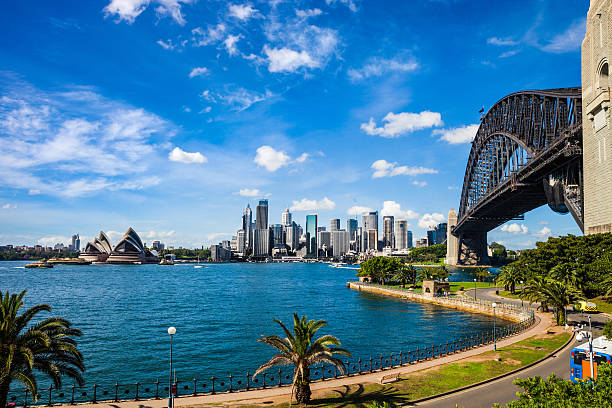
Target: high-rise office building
(401, 234)
(340, 239)
(370, 240)
(437, 235)
(278, 239)
(369, 222)
(240, 242)
(292, 236)
(247, 227)
(334, 224)
(76, 243)
(324, 239)
(261, 243)
(351, 228)
(286, 217)
(261, 222)
(311, 235)
(409, 235)
(388, 231)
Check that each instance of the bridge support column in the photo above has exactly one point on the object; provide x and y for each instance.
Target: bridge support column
(473, 248)
(452, 242)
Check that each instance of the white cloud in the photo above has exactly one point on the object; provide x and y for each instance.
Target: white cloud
(394, 209)
(230, 44)
(218, 236)
(270, 158)
(198, 71)
(157, 234)
(508, 53)
(166, 45)
(312, 205)
(383, 168)
(54, 239)
(308, 13)
(375, 67)
(212, 34)
(128, 10)
(545, 232)
(34, 192)
(238, 98)
(569, 40)
(287, 60)
(8, 206)
(514, 228)
(404, 122)
(250, 192)
(430, 220)
(358, 210)
(181, 156)
(419, 183)
(502, 41)
(462, 134)
(242, 11)
(302, 158)
(348, 3)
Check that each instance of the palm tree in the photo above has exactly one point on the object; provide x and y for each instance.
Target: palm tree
(533, 291)
(510, 276)
(299, 349)
(560, 295)
(405, 273)
(47, 346)
(482, 274)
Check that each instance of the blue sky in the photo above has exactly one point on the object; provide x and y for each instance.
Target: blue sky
(171, 115)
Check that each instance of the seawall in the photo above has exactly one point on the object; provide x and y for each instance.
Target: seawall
(504, 311)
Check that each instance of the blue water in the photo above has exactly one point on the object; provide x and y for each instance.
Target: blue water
(219, 311)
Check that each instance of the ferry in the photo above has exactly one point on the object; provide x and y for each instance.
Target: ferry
(169, 259)
(39, 265)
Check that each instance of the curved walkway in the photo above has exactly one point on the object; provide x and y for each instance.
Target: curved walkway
(543, 322)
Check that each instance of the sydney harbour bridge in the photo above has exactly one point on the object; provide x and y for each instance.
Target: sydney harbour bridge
(526, 153)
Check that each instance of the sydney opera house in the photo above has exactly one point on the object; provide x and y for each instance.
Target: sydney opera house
(129, 250)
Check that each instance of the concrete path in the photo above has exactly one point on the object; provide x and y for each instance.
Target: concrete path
(262, 395)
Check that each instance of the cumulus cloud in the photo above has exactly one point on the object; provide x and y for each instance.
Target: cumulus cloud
(311, 205)
(250, 192)
(383, 168)
(302, 158)
(514, 228)
(212, 34)
(198, 71)
(151, 234)
(569, 40)
(308, 13)
(431, 220)
(287, 60)
(394, 209)
(181, 156)
(270, 158)
(238, 99)
(54, 239)
(358, 210)
(348, 3)
(545, 232)
(242, 11)
(128, 10)
(462, 134)
(419, 183)
(230, 44)
(376, 67)
(404, 122)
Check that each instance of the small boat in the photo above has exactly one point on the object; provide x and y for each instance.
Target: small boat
(198, 266)
(39, 265)
(69, 261)
(168, 259)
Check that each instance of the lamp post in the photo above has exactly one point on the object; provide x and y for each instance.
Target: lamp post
(589, 335)
(521, 282)
(171, 332)
(494, 343)
(474, 288)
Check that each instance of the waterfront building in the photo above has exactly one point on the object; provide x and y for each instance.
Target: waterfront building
(261, 243)
(247, 227)
(130, 250)
(278, 237)
(334, 224)
(98, 250)
(324, 239)
(292, 236)
(262, 215)
(369, 222)
(220, 254)
(340, 239)
(76, 243)
(286, 217)
(401, 234)
(388, 231)
(311, 235)
(351, 228)
(240, 242)
(370, 240)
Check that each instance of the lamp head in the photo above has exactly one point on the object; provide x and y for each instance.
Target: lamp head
(171, 330)
(579, 337)
(494, 305)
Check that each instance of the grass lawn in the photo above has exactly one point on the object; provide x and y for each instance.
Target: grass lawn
(507, 294)
(454, 286)
(438, 379)
(603, 304)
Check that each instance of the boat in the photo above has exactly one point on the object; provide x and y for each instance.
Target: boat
(198, 266)
(168, 259)
(39, 265)
(69, 261)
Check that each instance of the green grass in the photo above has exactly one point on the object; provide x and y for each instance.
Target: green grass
(507, 294)
(603, 304)
(454, 286)
(444, 378)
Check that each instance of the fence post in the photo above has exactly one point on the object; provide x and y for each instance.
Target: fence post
(381, 362)
(417, 354)
(137, 386)
(212, 379)
(248, 384)
(280, 376)
(348, 368)
(157, 389)
(359, 366)
(116, 391)
(230, 386)
(264, 380)
(51, 387)
(391, 359)
(25, 399)
(94, 398)
(401, 360)
(335, 372)
(72, 398)
(195, 386)
(370, 363)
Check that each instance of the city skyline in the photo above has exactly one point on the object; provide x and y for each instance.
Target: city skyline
(319, 106)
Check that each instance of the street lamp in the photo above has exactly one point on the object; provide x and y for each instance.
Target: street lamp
(474, 288)
(521, 282)
(171, 332)
(589, 335)
(494, 343)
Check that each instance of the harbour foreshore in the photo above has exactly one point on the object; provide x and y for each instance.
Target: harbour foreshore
(510, 312)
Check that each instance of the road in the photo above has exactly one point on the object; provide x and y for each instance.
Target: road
(503, 390)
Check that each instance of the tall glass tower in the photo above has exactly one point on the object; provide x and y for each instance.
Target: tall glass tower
(261, 222)
(311, 235)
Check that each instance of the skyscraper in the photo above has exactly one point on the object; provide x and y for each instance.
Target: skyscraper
(401, 234)
(286, 217)
(388, 231)
(334, 224)
(371, 240)
(292, 236)
(369, 222)
(351, 228)
(278, 238)
(409, 235)
(262, 215)
(76, 243)
(247, 227)
(311, 234)
(340, 239)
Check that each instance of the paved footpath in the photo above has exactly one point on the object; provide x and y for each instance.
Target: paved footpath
(263, 395)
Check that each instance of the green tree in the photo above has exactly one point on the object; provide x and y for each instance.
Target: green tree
(560, 295)
(482, 274)
(380, 268)
(405, 274)
(300, 350)
(47, 347)
(510, 276)
(534, 292)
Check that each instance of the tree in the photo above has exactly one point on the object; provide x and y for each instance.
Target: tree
(482, 274)
(380, 268)
(299, 349)
(405, 273)
(510, 276)
(47, 347)
(560, 295)
(533, 292)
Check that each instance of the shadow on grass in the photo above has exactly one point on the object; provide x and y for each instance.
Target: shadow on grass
(359, 397)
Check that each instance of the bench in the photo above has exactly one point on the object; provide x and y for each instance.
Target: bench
(389, 378)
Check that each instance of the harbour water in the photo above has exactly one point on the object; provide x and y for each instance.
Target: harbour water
(219, 311)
